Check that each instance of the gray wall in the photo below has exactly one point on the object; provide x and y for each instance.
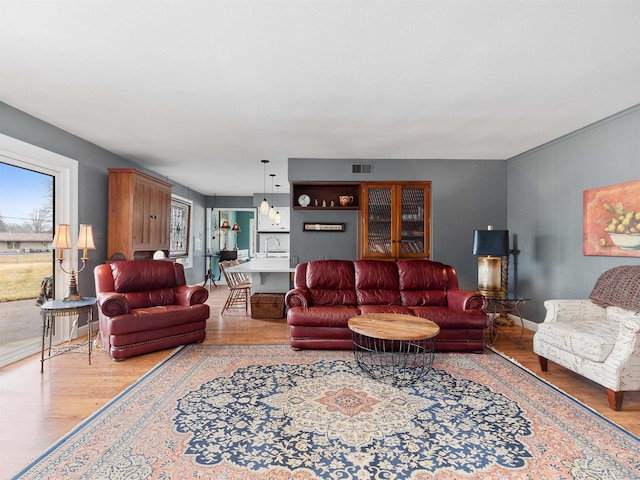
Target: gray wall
(545, 209)
(229, 202)
(543, 201)
(465, 195)
(93, 177)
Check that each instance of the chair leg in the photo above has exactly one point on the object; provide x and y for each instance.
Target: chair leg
(544, 363)
(615, 399)
(237, 296)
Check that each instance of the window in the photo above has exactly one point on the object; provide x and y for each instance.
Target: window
(64, 171)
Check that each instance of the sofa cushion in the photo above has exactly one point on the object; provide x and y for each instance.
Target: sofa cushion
(365, 309)
(377, 282)
(449, 319)
(591, 339)
(151, 298)
(156, 318)
(331, 282)
(422, 283)
(139, 275)
(327, 316)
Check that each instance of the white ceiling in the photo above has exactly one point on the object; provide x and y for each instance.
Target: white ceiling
(201, 91)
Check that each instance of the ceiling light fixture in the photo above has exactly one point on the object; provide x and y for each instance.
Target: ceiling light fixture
(277, 218)
(264, 205)
(272, 210)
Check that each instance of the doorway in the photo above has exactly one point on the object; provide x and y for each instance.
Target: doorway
(242, 240)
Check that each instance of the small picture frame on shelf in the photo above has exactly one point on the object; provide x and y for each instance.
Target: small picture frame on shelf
(323, 227)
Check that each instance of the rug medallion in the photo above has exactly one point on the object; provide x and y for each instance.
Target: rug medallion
(267, 412)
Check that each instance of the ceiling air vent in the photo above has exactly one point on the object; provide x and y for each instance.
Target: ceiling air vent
(362, 168)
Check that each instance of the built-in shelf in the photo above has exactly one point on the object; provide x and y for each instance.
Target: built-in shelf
(321, 195)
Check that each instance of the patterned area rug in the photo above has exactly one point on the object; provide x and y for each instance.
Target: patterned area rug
(267, 412)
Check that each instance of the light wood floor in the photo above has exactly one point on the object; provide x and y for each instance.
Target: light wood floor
(37, 409)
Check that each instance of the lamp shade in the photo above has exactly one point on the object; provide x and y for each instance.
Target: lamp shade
(264, 206)
(236, 227)
(85, 238)
(225, 225)
(491, 242)
(62, 238)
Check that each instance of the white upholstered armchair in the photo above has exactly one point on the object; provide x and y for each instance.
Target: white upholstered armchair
(597, 338)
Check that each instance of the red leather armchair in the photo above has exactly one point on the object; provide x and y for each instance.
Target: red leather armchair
(146, 305)
(327, 293)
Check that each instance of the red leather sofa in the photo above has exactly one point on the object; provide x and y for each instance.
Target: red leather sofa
(146, 305)
(327, 293)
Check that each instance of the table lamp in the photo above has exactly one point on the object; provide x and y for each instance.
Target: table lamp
(62, 241)
(225, 227)
(491, 246)
(236, 229)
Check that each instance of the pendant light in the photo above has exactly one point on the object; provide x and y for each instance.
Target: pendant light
(264, 206)
(272, 210)
(277, 217)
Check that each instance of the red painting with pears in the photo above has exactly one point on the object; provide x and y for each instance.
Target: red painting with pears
(612, 220)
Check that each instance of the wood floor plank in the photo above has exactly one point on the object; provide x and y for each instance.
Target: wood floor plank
(37, 409)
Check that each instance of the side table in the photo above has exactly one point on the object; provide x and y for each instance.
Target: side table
(59, 308)
(499, 306)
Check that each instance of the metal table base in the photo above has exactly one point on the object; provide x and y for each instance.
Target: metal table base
(59, 308)
(398, 362)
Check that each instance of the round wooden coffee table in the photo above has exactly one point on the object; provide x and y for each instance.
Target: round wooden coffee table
(392, 347)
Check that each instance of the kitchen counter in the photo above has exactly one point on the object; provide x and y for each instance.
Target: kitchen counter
(268, 275)
(264, 265)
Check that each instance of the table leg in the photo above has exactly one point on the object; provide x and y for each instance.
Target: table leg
(44, 328)
(517, 312)
(209, 278)
(494, 326)
(90, 333)
(51, 323)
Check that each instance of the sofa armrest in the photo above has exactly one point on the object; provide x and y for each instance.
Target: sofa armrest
(112, 304)
(559, 310)
(191, 295)
(297, 297)
(465, 300)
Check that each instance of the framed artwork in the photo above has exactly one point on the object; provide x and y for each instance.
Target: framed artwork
(612, 220)
(180, 226)
(323, 227)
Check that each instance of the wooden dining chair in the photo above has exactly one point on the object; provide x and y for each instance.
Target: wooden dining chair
(239, 287)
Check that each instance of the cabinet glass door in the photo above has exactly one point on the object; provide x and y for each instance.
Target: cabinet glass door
(412, 221)
(379, 221)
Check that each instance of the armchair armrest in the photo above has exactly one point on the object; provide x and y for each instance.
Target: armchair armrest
(465, 300)
(559, 310)
(191, 295)
(297, 297)
(112, 304)
(630, 326)
(623, 363)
